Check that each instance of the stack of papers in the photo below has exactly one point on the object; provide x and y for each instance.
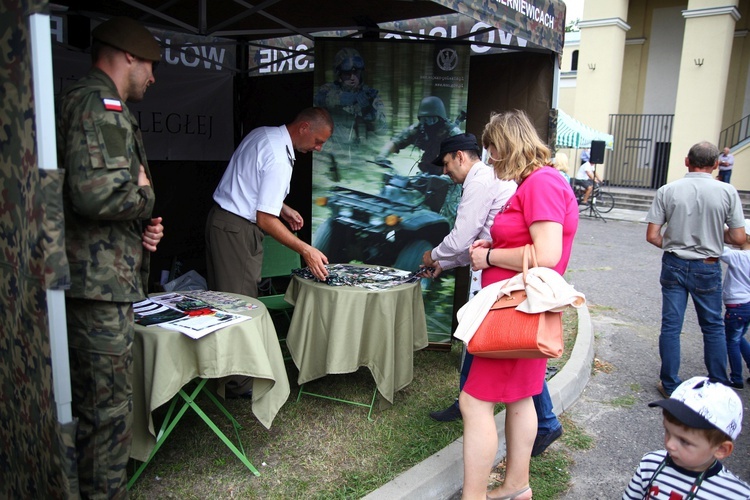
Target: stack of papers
(191, 316)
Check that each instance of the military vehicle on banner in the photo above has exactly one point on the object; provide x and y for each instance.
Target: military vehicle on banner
(392, 228)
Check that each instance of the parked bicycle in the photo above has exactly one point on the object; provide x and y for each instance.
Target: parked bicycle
(603, 202)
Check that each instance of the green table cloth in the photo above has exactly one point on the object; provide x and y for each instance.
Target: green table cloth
(337, 329)
(165, 360)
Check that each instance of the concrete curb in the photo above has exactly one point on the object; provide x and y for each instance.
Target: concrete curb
(441, 475)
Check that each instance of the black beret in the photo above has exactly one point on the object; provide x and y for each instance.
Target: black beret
(129, 35)
(461, 142)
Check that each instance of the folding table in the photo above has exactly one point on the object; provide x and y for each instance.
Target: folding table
(337, 329)
(165, 361)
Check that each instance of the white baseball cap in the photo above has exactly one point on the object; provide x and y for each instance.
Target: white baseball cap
(702, 404)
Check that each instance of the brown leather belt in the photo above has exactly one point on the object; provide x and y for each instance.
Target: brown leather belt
(711, 260)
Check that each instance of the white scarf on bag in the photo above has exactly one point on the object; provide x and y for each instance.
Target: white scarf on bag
(545, 289)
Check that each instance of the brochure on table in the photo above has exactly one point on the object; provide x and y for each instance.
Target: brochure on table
(186, 313)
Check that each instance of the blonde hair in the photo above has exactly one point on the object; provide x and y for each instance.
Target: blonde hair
(561, 162)
(517, 144)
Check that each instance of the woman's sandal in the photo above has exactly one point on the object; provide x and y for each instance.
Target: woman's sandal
(513, 496)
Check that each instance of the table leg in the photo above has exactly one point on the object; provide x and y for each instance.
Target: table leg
(356, 403)
(171, 422)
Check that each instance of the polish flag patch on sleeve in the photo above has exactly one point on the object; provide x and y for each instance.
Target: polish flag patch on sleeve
(112, 104)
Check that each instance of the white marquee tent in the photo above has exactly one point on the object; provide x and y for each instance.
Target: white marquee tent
(575, 135)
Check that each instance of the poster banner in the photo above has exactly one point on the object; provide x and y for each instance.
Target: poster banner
(178, 121)
(378, 198)
(295, 54)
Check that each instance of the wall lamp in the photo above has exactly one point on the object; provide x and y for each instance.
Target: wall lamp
(698, 62)
(592, 66)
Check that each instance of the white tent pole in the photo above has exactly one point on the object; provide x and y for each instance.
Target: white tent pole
(41, 61)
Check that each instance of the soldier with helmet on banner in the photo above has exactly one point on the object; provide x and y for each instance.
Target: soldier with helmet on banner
(432, 128)
(356, 109)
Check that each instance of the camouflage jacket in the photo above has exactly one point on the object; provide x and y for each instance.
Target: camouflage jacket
(100, 148)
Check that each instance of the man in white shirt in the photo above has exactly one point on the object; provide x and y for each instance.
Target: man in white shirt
(586, 176)
(483, 197)
(250, 201)
(726, 162)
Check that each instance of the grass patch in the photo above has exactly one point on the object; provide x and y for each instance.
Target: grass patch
(573, 436)
(549, 474)
(622, 401)
(325, 449)
(597, 309)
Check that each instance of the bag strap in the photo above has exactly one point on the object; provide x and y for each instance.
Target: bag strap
(528, 251)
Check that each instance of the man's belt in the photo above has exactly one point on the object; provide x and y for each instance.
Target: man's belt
(729, 306)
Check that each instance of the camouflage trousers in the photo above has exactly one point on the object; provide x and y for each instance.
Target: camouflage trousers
(100, 338)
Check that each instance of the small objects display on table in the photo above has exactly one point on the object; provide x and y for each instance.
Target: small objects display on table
(194, 313)
(370, 277)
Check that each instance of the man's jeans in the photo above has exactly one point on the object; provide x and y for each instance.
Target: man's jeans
(680, 277)
(736, 321)
(546, 418)
(725, 175)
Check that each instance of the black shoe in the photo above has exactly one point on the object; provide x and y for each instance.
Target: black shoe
(448, 415)
(543, 441)
(236, 395)
(736, 385)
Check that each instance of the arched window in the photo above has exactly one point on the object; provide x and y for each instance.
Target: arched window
(574, 61)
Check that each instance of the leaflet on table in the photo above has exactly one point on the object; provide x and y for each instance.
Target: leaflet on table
(189, 305)
(149, 313)
(197, 326)
(189, 315)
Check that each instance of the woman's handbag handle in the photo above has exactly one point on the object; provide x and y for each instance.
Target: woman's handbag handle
(528, 250)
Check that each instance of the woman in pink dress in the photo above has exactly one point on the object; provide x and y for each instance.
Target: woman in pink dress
(543, 211)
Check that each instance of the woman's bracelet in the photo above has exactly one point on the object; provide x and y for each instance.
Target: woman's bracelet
(488, 258)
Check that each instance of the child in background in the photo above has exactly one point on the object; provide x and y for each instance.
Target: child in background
(701, 421)
(736, 297)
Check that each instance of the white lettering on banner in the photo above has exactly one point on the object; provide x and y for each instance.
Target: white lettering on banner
(488, 36)
(175, 123)
(56, 28)
(530, 10)
(267, 60)
(504, 37)
(191, 55)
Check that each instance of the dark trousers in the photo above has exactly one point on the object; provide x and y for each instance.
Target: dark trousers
(234, 253)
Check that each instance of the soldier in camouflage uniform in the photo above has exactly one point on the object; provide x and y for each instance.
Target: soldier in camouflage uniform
(108, 200)
(355, 107)
(432, 128)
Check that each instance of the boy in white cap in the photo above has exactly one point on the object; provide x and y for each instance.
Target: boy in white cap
(701, 421)
(736, 296)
